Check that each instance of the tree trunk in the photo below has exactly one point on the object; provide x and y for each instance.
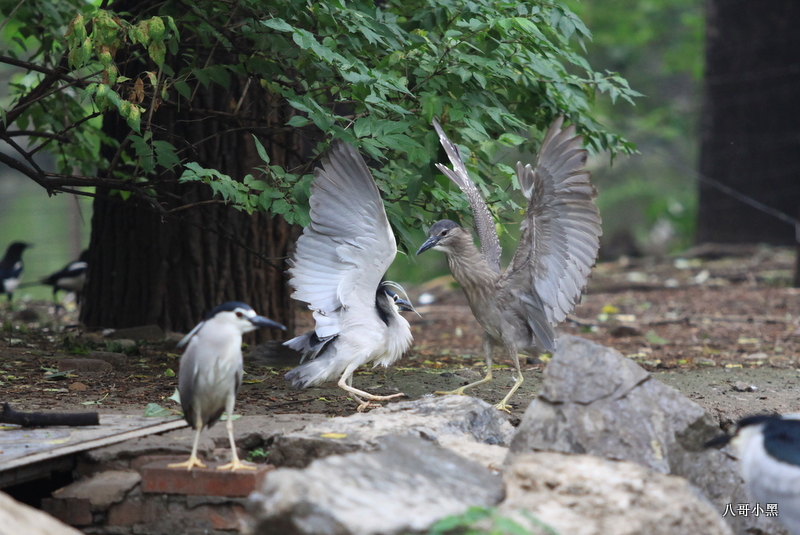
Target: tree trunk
(146, 269)
(750, 133)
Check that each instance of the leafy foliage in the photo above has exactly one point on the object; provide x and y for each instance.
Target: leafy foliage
(657, 46)
(497, 72)
(483, 521)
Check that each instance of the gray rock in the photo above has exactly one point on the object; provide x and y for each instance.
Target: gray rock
(430, 418)
(80, 365)
(117, 360)
(403, 487)
(586, 495)
(19, 518)
(102, 489)
(596, 401)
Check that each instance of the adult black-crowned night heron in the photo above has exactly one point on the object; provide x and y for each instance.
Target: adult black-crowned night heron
(768, 448)
(70, 278)
(520, 308)
(338, 269)
(211, 373)
(11, 268)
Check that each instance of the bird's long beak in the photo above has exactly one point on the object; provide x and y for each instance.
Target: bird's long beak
(403, 305)
(261, 321)
(718, 442)
(430, 242)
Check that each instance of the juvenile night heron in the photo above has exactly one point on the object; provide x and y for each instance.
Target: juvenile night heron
(769, 456)
(11, 268)
(70, 278)
(211, 373)
(520, 308)
(338, 269)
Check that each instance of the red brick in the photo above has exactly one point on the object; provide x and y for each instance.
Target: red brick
(223, 517)
(72, 511)
(157, 477)
(133, 512)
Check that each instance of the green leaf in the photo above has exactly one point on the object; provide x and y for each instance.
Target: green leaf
(511, 140)
(278, 24)
(262, 152)
(654, 339)
(157, 51)
(183, 89)
(154, 410)
(298, 121)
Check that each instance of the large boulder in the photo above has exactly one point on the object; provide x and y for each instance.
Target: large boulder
(586, 495)
(18, 518)
(402, 487)
(467, 425)
(594, 400)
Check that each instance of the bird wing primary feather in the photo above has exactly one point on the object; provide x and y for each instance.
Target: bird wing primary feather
(484, 224)
(348, 246)
(560, 236)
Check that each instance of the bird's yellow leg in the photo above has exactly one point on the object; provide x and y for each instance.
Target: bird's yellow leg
(487, 351)
(235, 463)
(503, 405)
(193, 459)
(345, 384)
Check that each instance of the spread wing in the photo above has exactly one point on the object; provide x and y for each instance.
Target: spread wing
(348, 246)
(484, 224)
(560, 236)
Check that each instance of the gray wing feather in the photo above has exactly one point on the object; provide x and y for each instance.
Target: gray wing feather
(348, 246)
(484, 223)
(561, 233)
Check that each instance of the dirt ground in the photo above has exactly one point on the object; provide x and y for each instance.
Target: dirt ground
(721, 326)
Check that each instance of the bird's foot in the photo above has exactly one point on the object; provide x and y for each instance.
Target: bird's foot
(457, 392)
(188, 464)
(366, 405)
(371, 399)
(236, 464)
(503, 406)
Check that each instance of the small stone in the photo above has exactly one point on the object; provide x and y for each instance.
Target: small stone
(115, 359)
(125, 343)
(78, 387)
(84, 365)
(151, 333)
(781, 362)
(741, 386)
(27, 315)
(625, 330)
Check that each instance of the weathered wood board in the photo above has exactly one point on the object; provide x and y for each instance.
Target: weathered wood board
(27, 453)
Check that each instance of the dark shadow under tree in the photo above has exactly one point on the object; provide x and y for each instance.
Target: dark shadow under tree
(750, 132)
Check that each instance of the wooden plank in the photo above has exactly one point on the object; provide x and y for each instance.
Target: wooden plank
(24, 446)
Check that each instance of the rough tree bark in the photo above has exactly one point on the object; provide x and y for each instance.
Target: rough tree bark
(147, 269)
(750, 132)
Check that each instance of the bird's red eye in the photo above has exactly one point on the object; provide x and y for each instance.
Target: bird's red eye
(443, 233)
(239, 314)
